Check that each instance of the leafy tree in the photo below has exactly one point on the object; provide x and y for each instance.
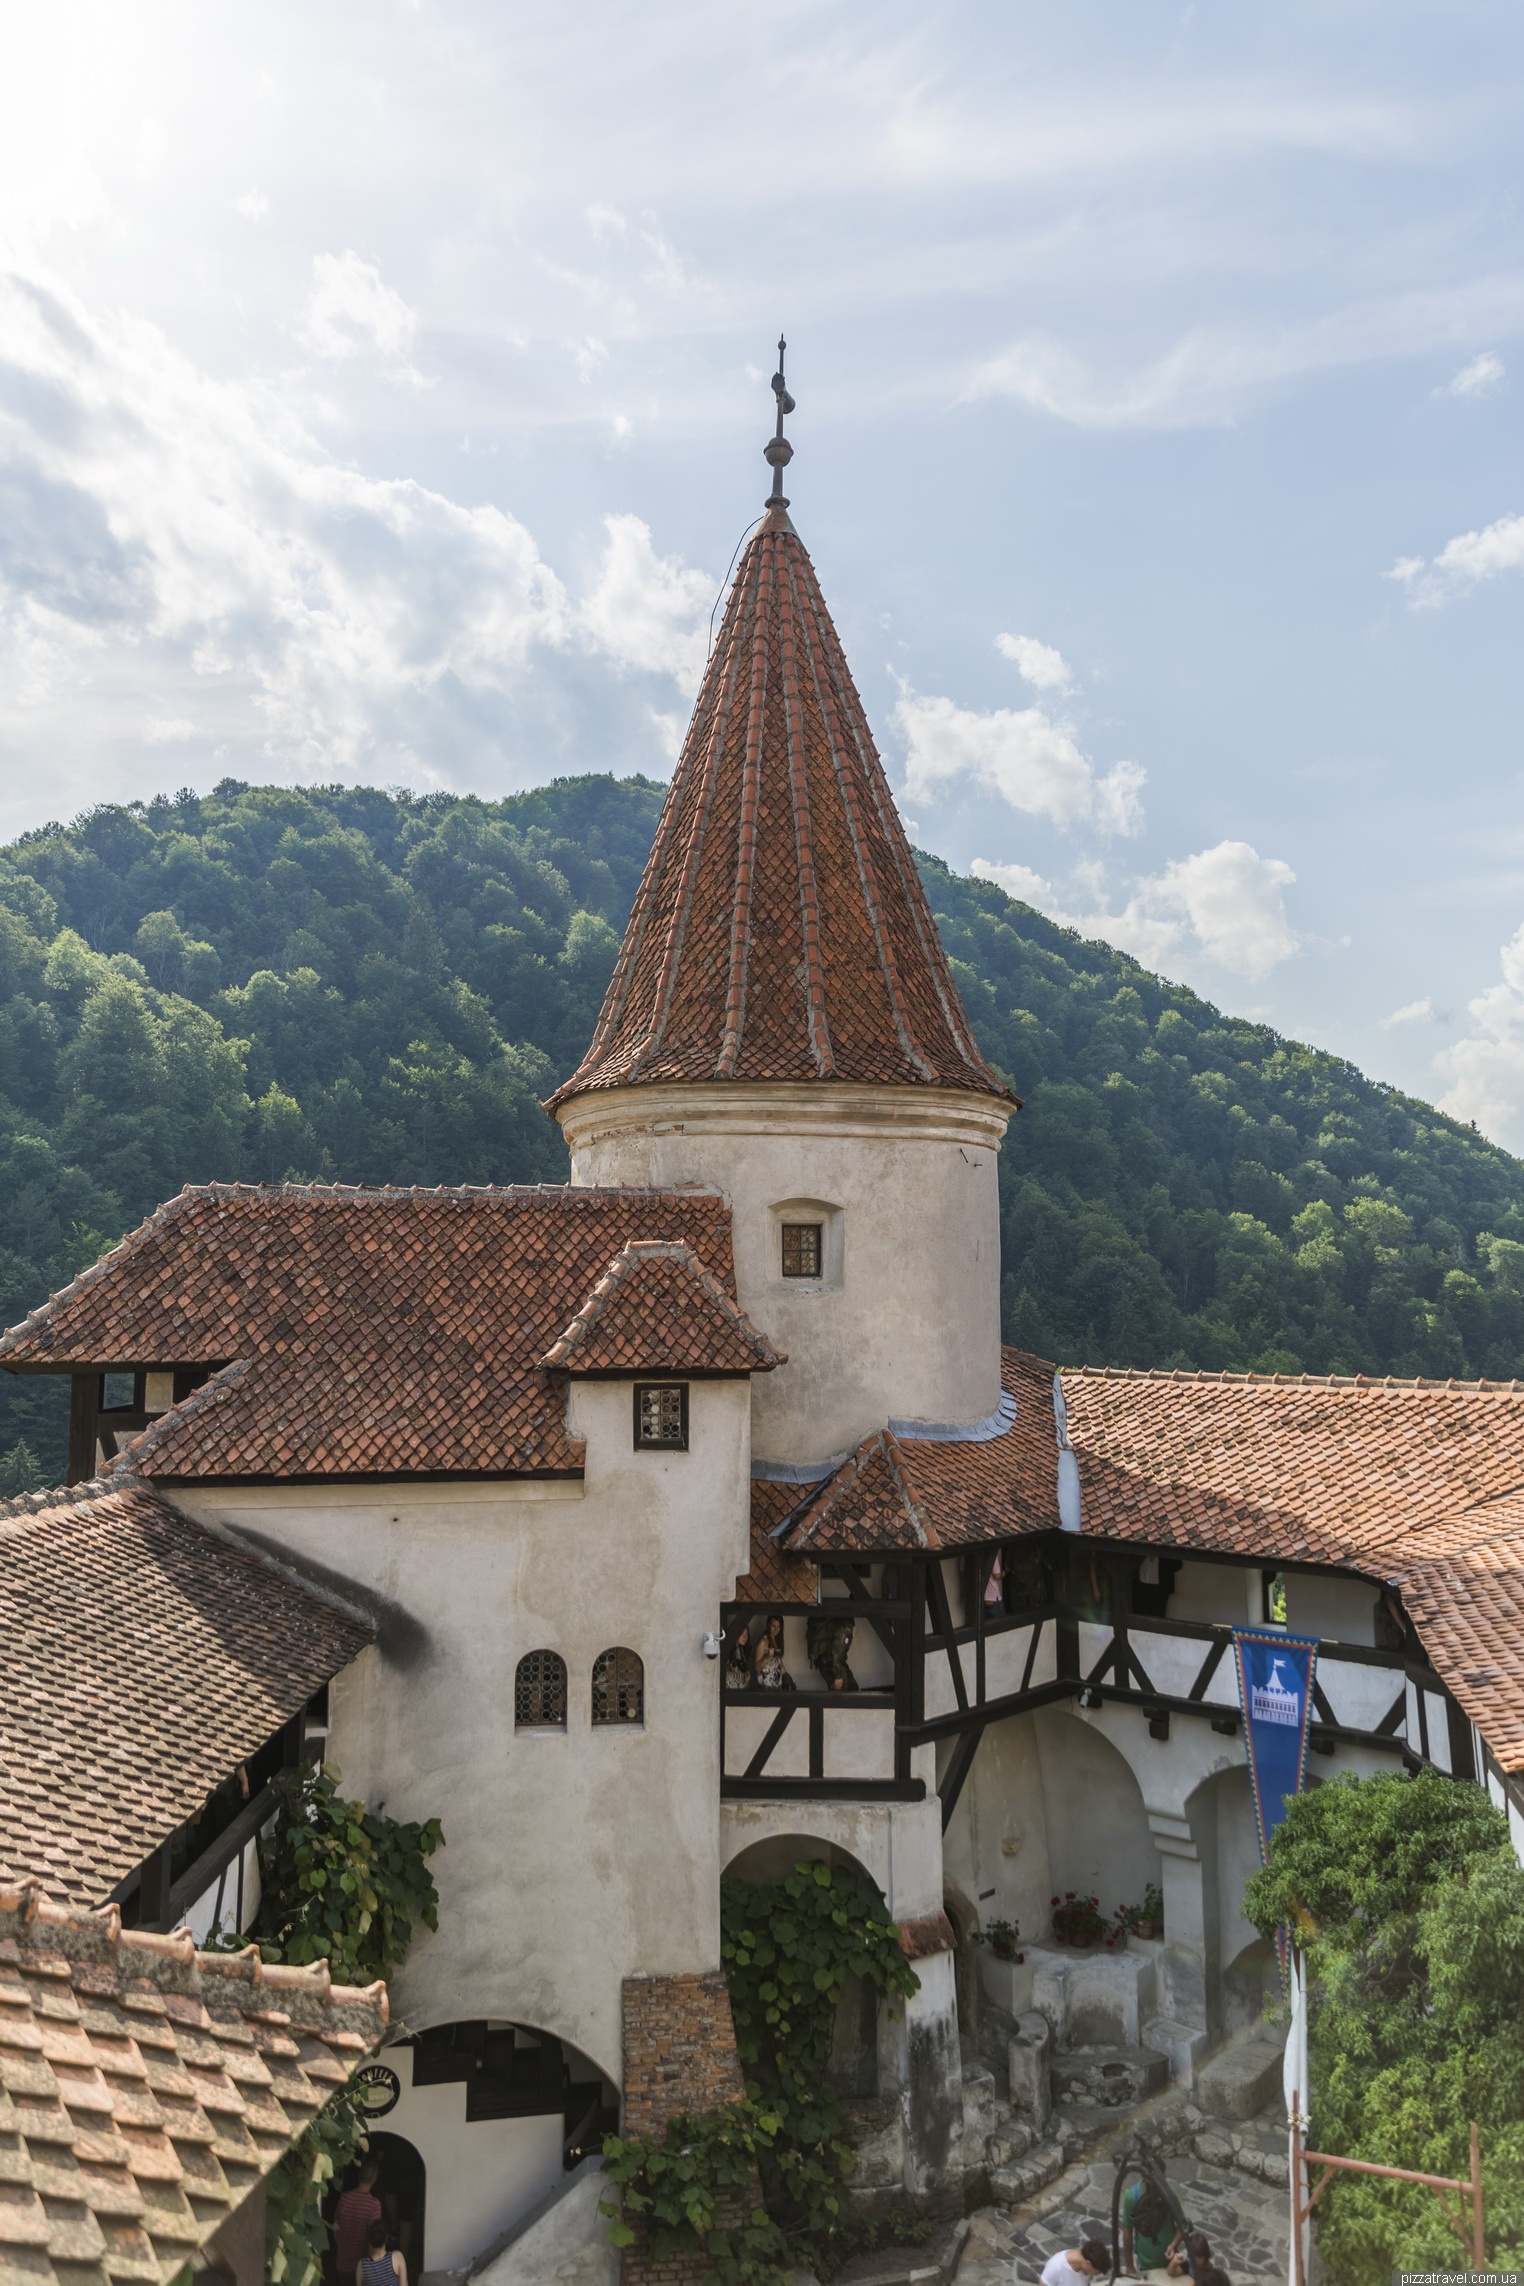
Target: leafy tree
(1409, 1902)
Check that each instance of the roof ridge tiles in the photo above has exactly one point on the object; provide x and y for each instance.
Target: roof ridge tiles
(1400, 1383)
(171, 1963)
(23, 1504)
(757, 1352)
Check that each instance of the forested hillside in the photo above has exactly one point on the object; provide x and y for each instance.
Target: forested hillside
(371, 987)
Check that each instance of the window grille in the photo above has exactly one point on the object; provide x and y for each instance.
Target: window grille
(661, 1414)
(802, 1249)
(619, 1687)
(539, 1691)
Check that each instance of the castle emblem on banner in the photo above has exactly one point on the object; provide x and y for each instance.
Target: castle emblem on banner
(1276, 1700)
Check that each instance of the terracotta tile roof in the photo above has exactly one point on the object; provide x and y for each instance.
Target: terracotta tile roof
(146, 2088)
(386, 1333)
(773, 1575)
(656, 1309)
(902, 1492)
(1375, 1475)
(780, 931)
(144, 1660)
(1468, 1609)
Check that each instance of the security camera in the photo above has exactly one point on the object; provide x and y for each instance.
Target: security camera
(712, 1645)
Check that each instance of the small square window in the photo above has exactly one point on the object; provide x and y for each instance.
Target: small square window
(119, 1392)
(661, 1416)
(802, 1249)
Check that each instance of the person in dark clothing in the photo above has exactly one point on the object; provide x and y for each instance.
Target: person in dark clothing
(829, 1642)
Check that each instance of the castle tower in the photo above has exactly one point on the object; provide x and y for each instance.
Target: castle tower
(782, 1025)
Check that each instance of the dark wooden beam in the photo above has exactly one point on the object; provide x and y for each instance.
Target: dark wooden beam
(84, 1409)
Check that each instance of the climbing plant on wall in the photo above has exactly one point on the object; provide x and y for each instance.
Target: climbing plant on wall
(342, 1883)
(789, 1948)
(296, 2235)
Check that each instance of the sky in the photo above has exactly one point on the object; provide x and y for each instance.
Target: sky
(383, 389)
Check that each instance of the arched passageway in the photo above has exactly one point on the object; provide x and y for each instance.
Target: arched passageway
(854, 2045)
(489, 2116)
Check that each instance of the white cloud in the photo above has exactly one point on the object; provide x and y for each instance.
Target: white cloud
(1485, 1071)
(1017, 881)
(351, 310)
(1031, 759)
(1225, 905)
(1463, 563)
(183, 555)
(1415, 1012)
(1037, 663)
(253, 206)
(1474, 380)
(648, 611)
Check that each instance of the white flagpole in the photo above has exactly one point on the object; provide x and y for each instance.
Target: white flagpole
(1298, 2110)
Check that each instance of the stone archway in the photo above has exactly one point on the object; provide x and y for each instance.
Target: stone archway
(854, 2045)
(1100, 1843)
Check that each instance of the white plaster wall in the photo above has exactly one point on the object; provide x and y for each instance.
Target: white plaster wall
(1225, 1595)
(1319, 1605)
(899, 1844)
(1098, 1836)
(998, 1838)
(1237, 1842)
(570, 1860)
(477, 2176)
(910, 1328)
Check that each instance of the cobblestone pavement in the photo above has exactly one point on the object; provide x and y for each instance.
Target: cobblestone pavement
(1219, 2168)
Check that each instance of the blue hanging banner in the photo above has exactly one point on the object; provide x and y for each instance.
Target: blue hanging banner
(1275, 1676)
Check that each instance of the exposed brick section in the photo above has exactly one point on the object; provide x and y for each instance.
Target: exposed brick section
(679, 2055)
(389, 1333)
(780, 931)
(657, 1309)
(144, 1659)
(146, 2088)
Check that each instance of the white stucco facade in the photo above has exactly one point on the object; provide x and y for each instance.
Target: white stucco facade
(904, 1322)
(574, 1857)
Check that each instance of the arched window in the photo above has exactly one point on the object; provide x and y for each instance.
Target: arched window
(539, 1691)
(619, 1687)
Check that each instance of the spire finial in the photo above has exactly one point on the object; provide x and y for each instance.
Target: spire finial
(777, 451)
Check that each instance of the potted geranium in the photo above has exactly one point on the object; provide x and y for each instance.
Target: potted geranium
(1002, 1937)
(1077, 1921)
(1145, 1920)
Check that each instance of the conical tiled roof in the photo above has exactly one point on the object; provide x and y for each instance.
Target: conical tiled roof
(780, 931)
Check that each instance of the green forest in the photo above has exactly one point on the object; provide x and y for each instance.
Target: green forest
(345, 984)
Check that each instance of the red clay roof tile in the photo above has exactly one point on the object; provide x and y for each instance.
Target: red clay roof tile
(103, 2184)
(360, 1333)
(657, 1309)
(144, 1660)
(780, 931)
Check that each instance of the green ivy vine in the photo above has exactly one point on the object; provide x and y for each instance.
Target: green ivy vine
(342, 1883)
(788, 1948)
(296, 2235)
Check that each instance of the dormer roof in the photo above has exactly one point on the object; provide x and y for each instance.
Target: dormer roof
(656, 1309)
(780, 931)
